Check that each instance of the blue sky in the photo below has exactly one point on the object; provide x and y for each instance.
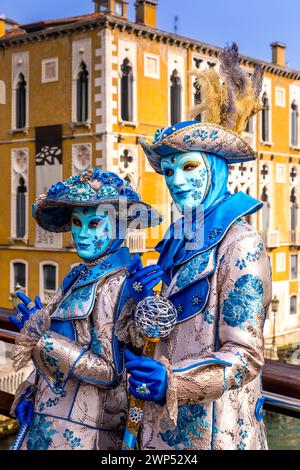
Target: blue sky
(254, 24)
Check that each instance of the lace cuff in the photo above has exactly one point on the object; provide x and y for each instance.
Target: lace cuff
(164, 418)
(125, 329)
(36, 325)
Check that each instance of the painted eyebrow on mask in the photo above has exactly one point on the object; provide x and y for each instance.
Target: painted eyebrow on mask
(94, 216)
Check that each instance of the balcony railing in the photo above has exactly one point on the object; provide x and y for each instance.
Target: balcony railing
(271, 238)
(294, 237)
(136, 241)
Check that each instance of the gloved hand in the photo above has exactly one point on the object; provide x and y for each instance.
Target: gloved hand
(24, 310)
(148, 378)
(24, 409)
(141, 280)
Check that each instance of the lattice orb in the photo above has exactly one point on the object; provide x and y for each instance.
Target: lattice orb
(155, 317)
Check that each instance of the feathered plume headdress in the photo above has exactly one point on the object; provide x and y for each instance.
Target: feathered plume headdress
(231, 98)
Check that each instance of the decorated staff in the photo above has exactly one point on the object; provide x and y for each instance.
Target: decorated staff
(155, 318)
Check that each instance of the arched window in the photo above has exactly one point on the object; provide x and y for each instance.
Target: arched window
(294, 124)
(48, 281)
(21, 208)
(18, 277)
(248, 217)
(197, 99)
(176, 90)
(265, 128)
(293, 305)
(82, 93)
(294, 210)
(265, 210)
(126, 91)
(21, 102)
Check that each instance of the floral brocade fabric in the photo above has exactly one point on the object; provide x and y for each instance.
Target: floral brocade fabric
(216, 357)
(79, 402)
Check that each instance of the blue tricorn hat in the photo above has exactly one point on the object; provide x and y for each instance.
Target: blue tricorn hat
(52, 211)
(191, 136)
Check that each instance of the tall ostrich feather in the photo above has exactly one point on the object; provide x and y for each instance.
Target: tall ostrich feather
(230, 98)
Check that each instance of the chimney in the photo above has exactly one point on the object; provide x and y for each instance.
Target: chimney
(7, 25)
(114, 7)
(146, 12)
(278, 53)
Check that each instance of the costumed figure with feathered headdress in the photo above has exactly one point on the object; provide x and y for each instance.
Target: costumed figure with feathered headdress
(203, 389)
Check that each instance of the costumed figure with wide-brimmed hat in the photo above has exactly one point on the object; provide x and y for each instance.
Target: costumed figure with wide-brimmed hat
(204, 384)
(77, 396)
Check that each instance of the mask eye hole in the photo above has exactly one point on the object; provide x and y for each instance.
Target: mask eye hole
(76, 222)
(168, 172)
(96, 223)
(190, 166)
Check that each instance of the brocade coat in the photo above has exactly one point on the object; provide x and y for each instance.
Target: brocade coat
(80, 389)
(214, 356)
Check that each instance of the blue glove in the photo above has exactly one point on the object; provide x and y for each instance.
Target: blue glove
(148, 378)
(24, 310)
(24, 409)
(141, 280)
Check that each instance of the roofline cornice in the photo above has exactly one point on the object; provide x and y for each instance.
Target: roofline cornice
(145, 31)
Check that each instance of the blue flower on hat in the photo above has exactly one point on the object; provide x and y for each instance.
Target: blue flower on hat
(82, 192)
(111, 179)
(57, 189)
(127, 191)
(107, 191)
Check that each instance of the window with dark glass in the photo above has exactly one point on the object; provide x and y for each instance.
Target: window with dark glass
(82, 93)
(21, 208)
(197, 99)
(265, 118)
(249, 126)
(265, 210)
(294, 124)
(294, 210)
(176, 90)
(293, 305)
(21, 102)
(294, 267)
(126, 91)
(102, 5)
(49, 277)
(19, 276)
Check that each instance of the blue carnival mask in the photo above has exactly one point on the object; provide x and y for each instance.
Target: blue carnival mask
(188, 178)
(92, 232)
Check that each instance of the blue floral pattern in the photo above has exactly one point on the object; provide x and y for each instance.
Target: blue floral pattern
(208, 316)
(74, 441)
(96, 345)
(76, 300)
(51, 402)
(40, 433)
(192, 269)
(191, 421)
(245, 300)
(251, 257)
(241, 445)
